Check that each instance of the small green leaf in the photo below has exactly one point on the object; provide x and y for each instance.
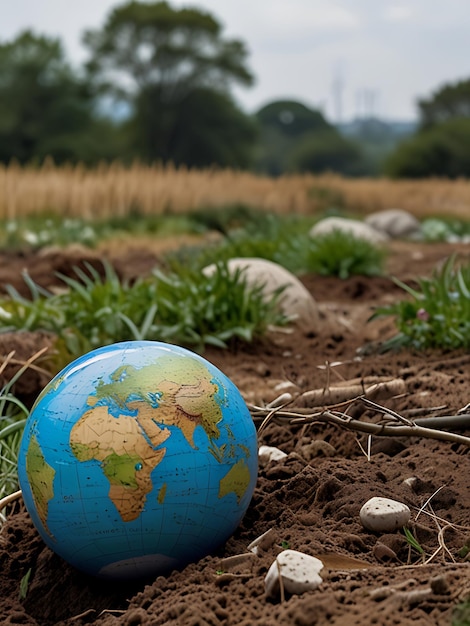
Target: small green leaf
(411, 539)
(24, 584)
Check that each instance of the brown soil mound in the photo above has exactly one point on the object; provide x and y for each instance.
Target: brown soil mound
(310, 501)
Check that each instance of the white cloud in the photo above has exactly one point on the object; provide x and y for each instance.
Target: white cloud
(297, 17)
(398, 13)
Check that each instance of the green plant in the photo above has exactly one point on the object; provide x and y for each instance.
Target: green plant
(230, 217)
(213, 309)
(281, 239)
(444, 229)
(461, 614)
(13, 415)
(465, 549)
(414, 543)
(342, 255)
(437, 313)
(183, 306)
(24, 584)
(45, 230)
(286, 241)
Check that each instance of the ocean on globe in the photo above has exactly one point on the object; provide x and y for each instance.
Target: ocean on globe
(138, 458)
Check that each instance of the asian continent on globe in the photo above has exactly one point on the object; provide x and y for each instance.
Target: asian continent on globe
(137, 458)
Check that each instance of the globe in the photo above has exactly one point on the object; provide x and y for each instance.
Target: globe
(137, 458)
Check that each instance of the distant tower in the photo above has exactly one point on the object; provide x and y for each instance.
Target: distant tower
(366, 103)
(337, 89)
(371, 99)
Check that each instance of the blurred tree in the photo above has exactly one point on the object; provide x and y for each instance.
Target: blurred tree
(175, 69)
(448, 102)
(45, 109)
(326, 152)
(291, 118)
(297, 138)
(442, 150)
(441, 145)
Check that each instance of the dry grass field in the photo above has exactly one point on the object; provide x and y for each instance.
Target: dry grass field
(115, 190)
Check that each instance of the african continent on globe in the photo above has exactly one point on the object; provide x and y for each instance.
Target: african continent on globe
(138, 457)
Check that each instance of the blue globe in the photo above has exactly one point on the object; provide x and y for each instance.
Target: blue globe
(137, 458)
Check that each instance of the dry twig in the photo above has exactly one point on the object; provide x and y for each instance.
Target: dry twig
(12, 497)
(399, 427)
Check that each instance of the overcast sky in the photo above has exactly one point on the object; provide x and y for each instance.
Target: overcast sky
(347, 57)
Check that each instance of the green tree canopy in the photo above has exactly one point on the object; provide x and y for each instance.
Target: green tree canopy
(326, 152)
(291, 118)
(45, 108)
(441, 151)
(449, 102)
(42, 104)
(299, 139)
(441, 145)
(175, 69)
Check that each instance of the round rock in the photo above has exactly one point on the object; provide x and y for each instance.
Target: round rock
(355, 228)
(395, 223)
(384, 515)
(299, 573)
(296, 301)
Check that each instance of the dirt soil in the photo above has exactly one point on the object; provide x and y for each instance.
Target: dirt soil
(310, 500)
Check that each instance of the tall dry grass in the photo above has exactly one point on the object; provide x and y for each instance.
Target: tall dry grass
(115, 190)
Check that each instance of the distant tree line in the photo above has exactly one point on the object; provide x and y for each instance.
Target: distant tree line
(441, 145)
(157, 88)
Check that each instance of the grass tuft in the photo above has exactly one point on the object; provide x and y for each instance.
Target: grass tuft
(342, 255)
(436, 314)
(13, 415)
(183, 306)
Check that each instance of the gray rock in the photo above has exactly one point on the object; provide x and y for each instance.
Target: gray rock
(395, 223)
(355, 228)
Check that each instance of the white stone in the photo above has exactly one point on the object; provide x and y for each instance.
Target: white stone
(299, 572)
(295, 301)
(384, 514)
(266, 454)
(395, 223)
(355, 228)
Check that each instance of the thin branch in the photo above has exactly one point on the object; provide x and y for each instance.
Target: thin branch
(12, 497)
(421, 510)
(300, 416)
(394, 414)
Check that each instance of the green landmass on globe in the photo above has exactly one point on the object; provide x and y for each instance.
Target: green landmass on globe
(130, 445)
(41, 479)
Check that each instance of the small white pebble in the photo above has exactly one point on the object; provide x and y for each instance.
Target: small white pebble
(299, 572)
(266, 454)
(384, 514)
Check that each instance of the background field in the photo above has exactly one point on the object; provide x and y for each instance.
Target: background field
(111, 190)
